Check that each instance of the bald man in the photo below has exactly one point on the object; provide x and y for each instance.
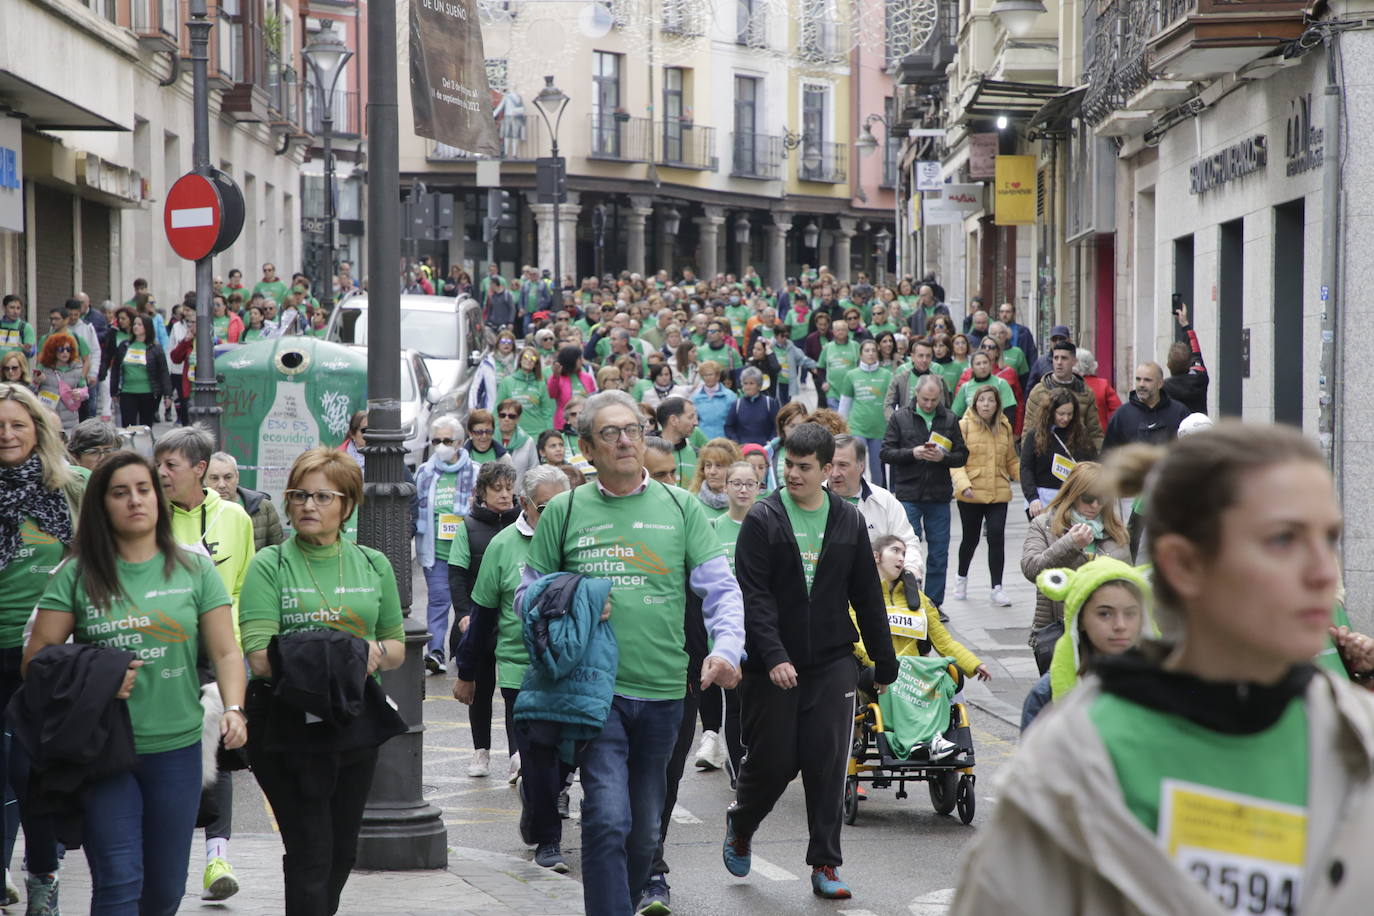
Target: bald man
(1150, 416)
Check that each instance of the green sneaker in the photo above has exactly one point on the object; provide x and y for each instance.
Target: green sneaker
(219, 883)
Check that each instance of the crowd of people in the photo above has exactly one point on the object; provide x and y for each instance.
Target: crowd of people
(679, 507)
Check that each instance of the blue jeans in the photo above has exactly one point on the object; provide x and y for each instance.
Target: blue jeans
(933, 517)
(436, 585)
(877, 471)
(624, 782)
(40, 839)
(138, 831)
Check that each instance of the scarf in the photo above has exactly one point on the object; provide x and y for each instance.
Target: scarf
(1099, 529)
(23, 495)
(713, 500)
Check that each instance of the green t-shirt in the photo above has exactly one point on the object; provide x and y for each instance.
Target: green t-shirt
(134, 379)
(950, 372)
(1004, 392)
(276, 290)
(158, 620)
(878, 329)
(646, 544)
(299, 586)
(536, 406)
(502, 566)
(251, 334)
(23, 579)
(738, 316)
(686, 460)
(809, 527)
(728, 357)
(221, 325)
(727, 532)
(446, 523)
(1016, 358)
(839, 357)
(482, 457)
(868, 389)
(16, 335)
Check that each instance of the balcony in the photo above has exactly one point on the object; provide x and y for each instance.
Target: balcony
(285, 101)
(530, 148)
(685, 145)
(1114, 54)
(926, 65)
(246, 70)
(619, 137)
(822, 162)
(756, 156)
(347, 114)
(155, 24)
(1205, 39)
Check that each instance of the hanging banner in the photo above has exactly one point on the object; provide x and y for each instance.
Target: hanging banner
(913, 210)
(982, 154)
(928, 176)
(953, 203)
(1015, 191)
(448, 76)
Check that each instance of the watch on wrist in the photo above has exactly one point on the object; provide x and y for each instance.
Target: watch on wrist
(235, 708)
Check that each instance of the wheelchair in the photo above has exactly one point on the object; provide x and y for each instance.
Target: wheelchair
(873, 762)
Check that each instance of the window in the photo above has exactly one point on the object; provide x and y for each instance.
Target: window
(746, 124)
(891, 145)
(820, 28)
(751, 23)
(815, 123)
(605, 101)
(673, 113)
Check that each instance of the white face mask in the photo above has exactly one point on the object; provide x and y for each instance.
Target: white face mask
(445, 453)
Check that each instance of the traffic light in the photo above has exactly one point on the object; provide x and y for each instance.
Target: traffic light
(498, 213)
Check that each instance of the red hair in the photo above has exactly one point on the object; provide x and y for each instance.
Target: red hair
(48, 357)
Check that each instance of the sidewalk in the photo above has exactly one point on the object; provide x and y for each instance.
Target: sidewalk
(476, 883)
(998, 635)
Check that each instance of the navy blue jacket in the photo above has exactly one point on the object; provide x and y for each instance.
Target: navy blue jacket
(752, 419)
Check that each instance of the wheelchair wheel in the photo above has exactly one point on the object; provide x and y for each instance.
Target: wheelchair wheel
(851, 800)
(966, 799)
(943, 788)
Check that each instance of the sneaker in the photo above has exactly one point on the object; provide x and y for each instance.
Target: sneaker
(722, 751)
(944, 618)
(481, 762)
(564, 804)
(1000, 598)
(735, 851)
(706, 754)
(11, 896)
(434, 662)
(655, 901)
(550, 856)
(941, 747)
(825, 882)
(961, 588)
(41, 891)
(513, 774)
(219, 882)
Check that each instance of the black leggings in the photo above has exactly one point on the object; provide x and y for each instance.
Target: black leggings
(479, 713)
(137, 409)
(971, 517)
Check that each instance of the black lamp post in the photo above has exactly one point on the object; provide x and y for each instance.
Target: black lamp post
(552, 102)
(326, 55)
(866, 144)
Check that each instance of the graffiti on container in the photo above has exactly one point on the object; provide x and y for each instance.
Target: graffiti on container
(237, 402)
(334, 411)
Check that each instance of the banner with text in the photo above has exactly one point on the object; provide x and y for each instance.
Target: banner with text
(1015, 191)
(448, 76)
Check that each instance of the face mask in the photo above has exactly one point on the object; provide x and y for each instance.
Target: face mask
(445, 453)
(734, 300)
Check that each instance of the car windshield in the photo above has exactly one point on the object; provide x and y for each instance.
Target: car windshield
(408, 393)
(435, 334)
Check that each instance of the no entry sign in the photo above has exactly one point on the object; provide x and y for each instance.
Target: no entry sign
(203, 215)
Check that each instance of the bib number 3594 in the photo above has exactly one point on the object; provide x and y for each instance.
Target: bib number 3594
(1246, 887)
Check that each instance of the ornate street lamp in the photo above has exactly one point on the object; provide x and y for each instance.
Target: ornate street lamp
(742, 230)
(552, 102)
(811, 234)
(1018, 16)
(327, 54)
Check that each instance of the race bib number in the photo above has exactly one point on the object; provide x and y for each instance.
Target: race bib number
(1061, 466)
(943, 442)
(137, 357)
(907, 623)
(9, 337)
(1246, 852)
(50, 398)
(448, 526)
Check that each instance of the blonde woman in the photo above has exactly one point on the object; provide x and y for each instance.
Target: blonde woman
(983, 488)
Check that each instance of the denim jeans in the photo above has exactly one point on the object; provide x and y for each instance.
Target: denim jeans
(624, 782)
(40, 841)
(138, 831)
(877, 471)
(436, 586)
(542, 777)
(931, 523)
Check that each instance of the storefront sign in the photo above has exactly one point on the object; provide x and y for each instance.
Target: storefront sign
(953, 203)
(982, 155)
(1014, 187)
(11, 176)
(1302, 144)
(928, 176)
(1236, 161)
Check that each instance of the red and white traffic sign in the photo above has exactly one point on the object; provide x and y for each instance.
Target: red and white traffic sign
(191, 216)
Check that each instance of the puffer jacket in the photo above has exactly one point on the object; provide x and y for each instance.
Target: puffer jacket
(570, 682)
(992, 462)
(1043, 551)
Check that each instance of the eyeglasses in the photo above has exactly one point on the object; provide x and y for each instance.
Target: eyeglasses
(1091, 498)
(322, 498)
(743, 484)
(444, 441)
(484, 431)
(611, 434)
(14, 368)
(509, 416)
(99, 451)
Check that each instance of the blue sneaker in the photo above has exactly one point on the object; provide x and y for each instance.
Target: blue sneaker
(656, 898)
(825, 882)
(735, 851)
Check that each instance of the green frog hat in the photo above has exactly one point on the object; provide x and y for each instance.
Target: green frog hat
(1074, 587)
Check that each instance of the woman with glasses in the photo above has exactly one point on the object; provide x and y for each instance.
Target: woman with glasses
(91, 442)
(517, 443)
(526, 385)
(444, 487)
(317, 579)
(131, 587)
(1079, 525)
(61, 378)
(481, 445)
(493, 508)
(139, 376)
(14, 369)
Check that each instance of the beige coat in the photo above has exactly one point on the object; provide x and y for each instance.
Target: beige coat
(1042, 551)
(1062, 842)
(992, 462)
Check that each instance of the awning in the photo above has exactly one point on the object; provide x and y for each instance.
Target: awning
(45, 110)
(1059, 110)
(1000, 98)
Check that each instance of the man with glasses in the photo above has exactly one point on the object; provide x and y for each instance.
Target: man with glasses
(15, 332)
(270, 285)
(444, 487)
(646, 537)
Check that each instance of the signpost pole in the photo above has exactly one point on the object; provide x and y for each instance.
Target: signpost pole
(204, 409)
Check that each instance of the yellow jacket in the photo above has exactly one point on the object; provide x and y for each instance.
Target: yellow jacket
(895, 597)
(992, 463)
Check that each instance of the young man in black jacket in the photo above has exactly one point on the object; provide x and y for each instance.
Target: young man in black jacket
(799, 673)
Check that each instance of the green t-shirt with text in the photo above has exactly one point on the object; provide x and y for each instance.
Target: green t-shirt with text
(535, 404)
(502, 566)
(646, 544)
(276, 290)
(838, 358)
(134, 378)
(809, 527)
(158, 620)
(446, 523)
(23, 579)
(727, 532)
(868, 389)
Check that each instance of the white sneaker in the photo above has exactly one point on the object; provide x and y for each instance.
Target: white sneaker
(481, 763)
(513, 776)
(941, 747)
(961, 588)
(706, 754)
(722, 751)
(1000, 598)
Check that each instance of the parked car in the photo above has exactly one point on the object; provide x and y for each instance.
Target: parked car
(418, 396)
(446, 331)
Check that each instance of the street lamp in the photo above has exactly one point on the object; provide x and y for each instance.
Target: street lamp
(552, 102)
(326, 54)
(672, 221)
(1018, 16)
(742, 230)
(811, 234)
